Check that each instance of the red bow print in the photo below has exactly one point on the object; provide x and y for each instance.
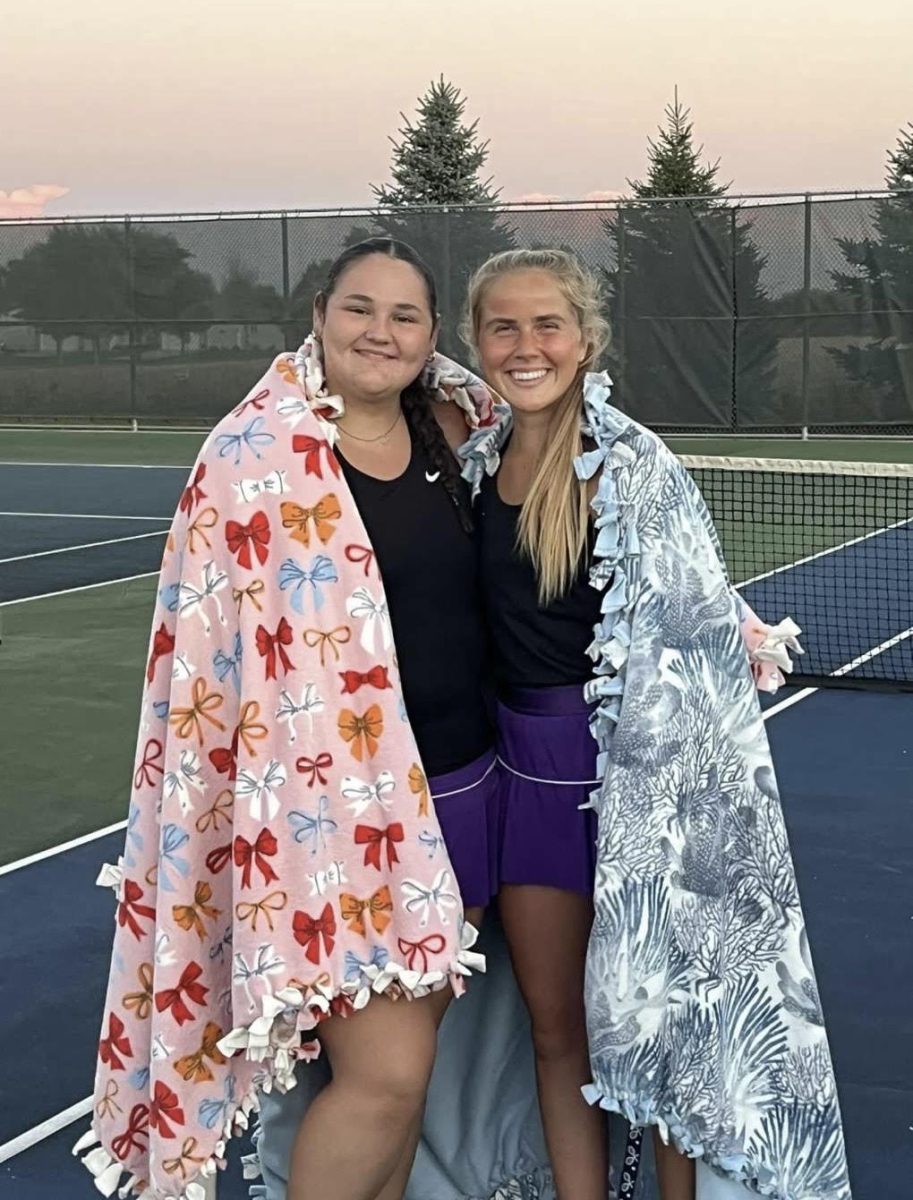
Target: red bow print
(309, 931)
(377, 677)
(165, 1107)
(129, 909)
(247, 855)
(115, 1044)
(315, 767)
(240, 538)
(172, 997)
(360, 554)
(217, 860)
(137, 1126)
(253, 402)
(162, 643)
(433, 944)
(193, 493)
(268, 643)
(375, 838)
(311, 448)
(145, 772)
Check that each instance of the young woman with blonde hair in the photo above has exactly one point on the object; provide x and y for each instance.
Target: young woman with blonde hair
(640, 813)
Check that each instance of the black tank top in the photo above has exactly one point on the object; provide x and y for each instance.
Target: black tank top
(429, 567)
(532, 646)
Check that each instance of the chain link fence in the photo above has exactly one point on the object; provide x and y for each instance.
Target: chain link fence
(751, 314)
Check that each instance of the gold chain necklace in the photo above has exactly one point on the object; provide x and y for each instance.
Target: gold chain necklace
(379, 438)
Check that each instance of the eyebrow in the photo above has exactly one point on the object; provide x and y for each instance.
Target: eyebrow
(370, 300)
(513, 321)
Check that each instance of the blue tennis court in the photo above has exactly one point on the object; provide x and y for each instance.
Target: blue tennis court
(81, 548)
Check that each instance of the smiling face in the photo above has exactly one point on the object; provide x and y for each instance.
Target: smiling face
(530, 343)
(377, 329)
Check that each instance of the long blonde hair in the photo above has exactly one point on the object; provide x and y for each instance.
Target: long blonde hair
(553, 520)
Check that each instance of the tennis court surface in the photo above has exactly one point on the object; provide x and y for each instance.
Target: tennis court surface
(83, 517)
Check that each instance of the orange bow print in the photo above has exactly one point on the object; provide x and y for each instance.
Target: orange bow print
(141, 1000)
(378, 908)
(323, 514)
(206, 520)
(273, 903)
(309, 931)
(190, 916)
(334, 638)
(189, 720)
(418, 785)
(363, 732)
(252, 591)
(193, 1067)
(179, 1164)
(220, 811)
(107, 1105)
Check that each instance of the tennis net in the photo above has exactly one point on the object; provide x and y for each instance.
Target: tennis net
(829, 544)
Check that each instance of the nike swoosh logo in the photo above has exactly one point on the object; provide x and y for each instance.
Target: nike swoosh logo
(432, 478)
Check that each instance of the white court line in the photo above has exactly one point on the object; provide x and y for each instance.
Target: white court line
(132, 466)
(134, 537)
(822, 553)
(51, 1126)
(54, 850)
(85, 516)
(844, 670)
(84, 587)
(181, 429)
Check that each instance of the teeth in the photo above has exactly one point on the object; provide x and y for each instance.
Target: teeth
(527, 376)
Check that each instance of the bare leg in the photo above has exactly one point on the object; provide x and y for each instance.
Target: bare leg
(547, 931)
(674, 1171)
(355, 1132)
(396, 1186)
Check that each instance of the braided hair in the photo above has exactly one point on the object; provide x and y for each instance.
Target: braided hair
(416, 401)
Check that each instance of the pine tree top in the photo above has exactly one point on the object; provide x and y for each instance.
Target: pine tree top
(900, 161)
(438, 159)
(675, 167)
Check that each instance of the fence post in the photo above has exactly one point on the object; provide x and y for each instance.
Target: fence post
(806, 312)
(620, 316)
(130, 280)
(286, 319)
(446, 287)
(734, 283)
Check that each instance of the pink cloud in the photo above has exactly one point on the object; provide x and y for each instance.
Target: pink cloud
(537, 198)
(604, 195)
(30, 201)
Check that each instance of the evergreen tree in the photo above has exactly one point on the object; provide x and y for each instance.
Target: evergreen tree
(435, 169)
(675, 164)
(880, 285)
(678, 255)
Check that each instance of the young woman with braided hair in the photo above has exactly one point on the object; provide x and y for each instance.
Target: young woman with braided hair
(315, 766)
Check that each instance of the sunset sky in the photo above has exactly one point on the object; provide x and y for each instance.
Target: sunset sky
(192, 105)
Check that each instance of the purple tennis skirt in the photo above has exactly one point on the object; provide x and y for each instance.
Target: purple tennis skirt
(548, 769)
(467, 803)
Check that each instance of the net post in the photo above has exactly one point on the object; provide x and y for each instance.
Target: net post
(734, 384)
(283, 230)
(806, 310)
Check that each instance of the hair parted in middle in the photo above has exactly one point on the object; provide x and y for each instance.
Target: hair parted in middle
(552, 528)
